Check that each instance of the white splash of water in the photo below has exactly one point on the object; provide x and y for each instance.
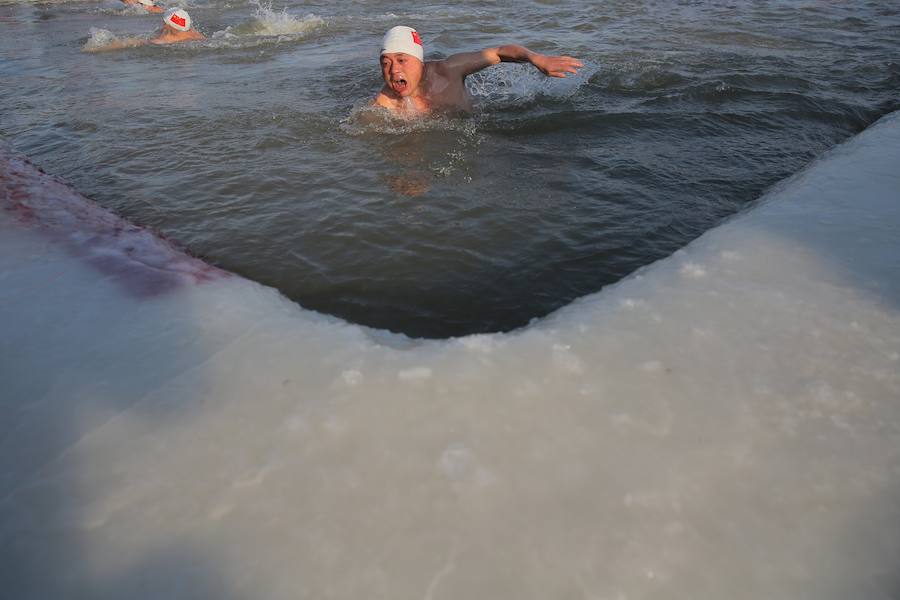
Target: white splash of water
(517, 84)
(365, 118)
(268, 25)
(100, 38)
(103, 39)
(272, 22)
(125, 10)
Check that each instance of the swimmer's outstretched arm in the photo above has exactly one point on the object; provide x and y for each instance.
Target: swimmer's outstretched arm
(467, 63)
(118, 44)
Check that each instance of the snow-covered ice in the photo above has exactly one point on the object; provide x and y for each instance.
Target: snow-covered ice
(724, 425)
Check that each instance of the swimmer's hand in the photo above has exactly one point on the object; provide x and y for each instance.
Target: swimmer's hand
(555, 66)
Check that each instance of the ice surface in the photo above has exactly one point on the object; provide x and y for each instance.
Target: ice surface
(724, 424)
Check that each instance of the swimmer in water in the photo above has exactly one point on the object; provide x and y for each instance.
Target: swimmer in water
(414, 86)
(177, 28)
(148, 5)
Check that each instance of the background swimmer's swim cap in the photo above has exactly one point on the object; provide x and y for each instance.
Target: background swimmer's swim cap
(177, 18)
(147, 2)
(403, 39)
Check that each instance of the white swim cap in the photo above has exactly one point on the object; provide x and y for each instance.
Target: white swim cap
(147, 2)
(177, 18)
(403, 39)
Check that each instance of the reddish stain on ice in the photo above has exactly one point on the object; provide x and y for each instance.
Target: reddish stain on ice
(144, 263)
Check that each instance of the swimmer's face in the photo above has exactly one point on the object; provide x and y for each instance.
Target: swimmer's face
(401, 72)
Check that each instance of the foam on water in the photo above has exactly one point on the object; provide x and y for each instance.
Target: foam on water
(267, 26)
(518, 84)
(459, 136)
(100, 39)
(129, 10)
(271, 22)
(724, 424)
(366, 119)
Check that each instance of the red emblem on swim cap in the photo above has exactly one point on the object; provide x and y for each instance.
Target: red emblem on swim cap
(416, 38)
(180, 21)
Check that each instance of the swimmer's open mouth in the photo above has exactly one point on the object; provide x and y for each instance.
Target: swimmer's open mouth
(400, 85)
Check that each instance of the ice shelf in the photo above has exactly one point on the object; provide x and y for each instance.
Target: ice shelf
(724, 423)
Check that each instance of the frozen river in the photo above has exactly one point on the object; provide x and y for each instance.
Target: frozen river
(725, 424)
(672, 376)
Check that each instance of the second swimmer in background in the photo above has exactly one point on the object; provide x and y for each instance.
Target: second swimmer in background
(148, 5)
(177, 28)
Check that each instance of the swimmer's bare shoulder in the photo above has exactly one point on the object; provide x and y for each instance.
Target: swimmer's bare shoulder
(383, 100)
(182, 36)
(458, 66)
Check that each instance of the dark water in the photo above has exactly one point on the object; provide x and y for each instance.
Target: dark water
(251, 149)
